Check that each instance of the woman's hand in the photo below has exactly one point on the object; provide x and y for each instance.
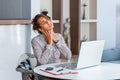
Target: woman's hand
(48, 36)
(54, 38)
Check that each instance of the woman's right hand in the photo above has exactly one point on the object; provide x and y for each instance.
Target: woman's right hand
(48, 36)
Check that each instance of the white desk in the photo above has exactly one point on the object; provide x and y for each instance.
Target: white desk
(105, 71)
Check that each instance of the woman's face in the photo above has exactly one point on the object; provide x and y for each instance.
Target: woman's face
(45, 24)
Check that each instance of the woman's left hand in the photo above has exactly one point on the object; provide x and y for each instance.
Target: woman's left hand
(54, 38)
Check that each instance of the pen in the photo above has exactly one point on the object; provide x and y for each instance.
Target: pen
(59, 70)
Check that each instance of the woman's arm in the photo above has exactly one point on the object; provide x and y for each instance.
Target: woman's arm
(62, 47)
(42, 55)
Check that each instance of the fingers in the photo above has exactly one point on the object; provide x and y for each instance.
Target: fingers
(45, 32)
(47, 35)
(54, 37)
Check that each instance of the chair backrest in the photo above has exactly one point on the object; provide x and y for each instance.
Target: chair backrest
(29, 56)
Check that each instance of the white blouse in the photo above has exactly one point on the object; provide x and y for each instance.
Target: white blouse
(46, 54)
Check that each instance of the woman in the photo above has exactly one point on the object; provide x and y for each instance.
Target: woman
(48, 46)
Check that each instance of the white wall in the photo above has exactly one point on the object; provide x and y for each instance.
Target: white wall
(46, 4)
(118, 23)
(66, 9)
(35, 9)
(106, 28)
(12, 45)
(14, 41)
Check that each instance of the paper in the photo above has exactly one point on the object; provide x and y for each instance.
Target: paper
(58, 71)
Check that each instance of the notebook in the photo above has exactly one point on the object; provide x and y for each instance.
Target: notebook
(90, 55)
(57, 71)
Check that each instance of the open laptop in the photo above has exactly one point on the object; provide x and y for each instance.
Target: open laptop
(90, 55)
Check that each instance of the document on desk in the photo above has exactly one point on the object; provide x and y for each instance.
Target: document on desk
(58, 71)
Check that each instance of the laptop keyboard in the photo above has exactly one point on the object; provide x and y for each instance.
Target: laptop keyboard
(68, 65)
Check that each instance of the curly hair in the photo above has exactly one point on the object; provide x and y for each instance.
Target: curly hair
(35, 23)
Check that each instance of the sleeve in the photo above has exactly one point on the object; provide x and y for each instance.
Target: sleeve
(62, 47)
(42, 55)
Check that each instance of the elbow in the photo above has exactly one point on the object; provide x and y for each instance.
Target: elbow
(69, 56)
